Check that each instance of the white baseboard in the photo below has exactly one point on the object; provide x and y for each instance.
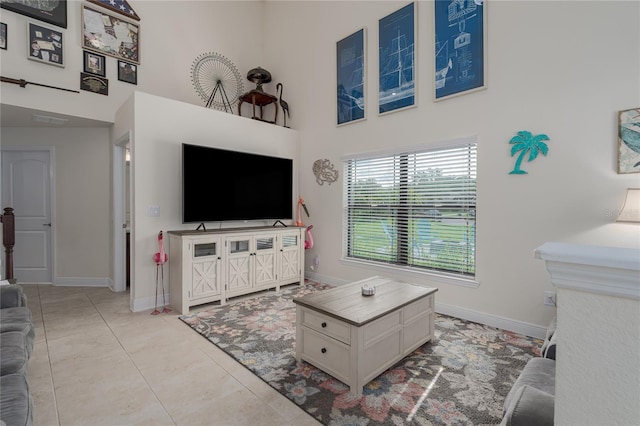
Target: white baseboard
(492, 320)
(81, 282)
(313, 276)
(466, 314)
(147, 303)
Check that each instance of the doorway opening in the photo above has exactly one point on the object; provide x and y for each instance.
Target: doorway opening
(121, 214)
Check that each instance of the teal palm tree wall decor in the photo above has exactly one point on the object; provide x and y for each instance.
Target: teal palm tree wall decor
(524, 142)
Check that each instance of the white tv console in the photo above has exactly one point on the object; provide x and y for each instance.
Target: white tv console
(214, 265)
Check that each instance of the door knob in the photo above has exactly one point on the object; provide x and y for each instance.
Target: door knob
(47, 224)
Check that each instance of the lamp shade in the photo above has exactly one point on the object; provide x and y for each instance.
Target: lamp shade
(631, 209)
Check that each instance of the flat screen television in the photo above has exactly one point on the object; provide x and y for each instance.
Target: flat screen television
(224, 185)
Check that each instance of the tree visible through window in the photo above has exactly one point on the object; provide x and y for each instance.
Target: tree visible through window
(415, 209)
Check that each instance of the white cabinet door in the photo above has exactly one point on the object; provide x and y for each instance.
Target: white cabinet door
(289, 257)
(251, 262)
(205, 269)
(195, 275)
(264, 260)
(237, 264)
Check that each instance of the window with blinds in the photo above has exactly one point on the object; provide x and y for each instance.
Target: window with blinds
(415, 208)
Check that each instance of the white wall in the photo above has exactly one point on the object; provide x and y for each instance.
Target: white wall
(82, 213)
(160, 127)
(595, 334)
(560, 68)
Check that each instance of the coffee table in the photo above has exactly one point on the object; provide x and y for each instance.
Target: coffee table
(353, 337)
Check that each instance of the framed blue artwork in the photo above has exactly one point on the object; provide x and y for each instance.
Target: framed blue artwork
(397, 60)
(629, 141)
(460, 50)
(351, 81)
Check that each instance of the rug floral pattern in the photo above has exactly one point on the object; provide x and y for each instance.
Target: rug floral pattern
(461, 377)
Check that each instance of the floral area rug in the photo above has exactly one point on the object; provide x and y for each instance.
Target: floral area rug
(461, 377)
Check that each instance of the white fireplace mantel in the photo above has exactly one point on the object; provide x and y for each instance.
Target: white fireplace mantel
(613, 271)
(598, 334)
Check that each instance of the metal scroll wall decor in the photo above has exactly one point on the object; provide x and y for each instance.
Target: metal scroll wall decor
(324, 172)
(526, 143)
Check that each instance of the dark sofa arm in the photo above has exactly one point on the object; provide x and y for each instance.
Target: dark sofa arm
(549, 349)
(12, 296)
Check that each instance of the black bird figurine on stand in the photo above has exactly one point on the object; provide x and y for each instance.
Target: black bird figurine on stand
(283, 104)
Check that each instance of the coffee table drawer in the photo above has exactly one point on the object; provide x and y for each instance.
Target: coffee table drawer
(326, 325)
(326, 353)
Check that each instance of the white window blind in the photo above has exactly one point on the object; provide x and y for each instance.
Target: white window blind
(415, 208)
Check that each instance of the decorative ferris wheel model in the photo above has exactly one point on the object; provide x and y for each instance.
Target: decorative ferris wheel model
(217, 81)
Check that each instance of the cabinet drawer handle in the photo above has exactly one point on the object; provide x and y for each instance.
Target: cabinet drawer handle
(323, 350)
(324, 324)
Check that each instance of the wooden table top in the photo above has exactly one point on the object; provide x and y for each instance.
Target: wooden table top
(347, 303)
(258, 97)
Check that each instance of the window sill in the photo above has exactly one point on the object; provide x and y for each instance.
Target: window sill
(415, 273)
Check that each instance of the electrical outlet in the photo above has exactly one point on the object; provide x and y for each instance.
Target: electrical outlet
(550, 298)
(316, 261)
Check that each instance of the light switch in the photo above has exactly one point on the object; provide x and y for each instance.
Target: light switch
(153, 211)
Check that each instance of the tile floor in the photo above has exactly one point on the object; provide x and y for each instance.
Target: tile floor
(97, 363)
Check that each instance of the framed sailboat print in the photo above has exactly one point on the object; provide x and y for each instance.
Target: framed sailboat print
(460, 50)
(351, 77)
(397, 60)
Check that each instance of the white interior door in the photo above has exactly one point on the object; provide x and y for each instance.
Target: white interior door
(26, 186)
